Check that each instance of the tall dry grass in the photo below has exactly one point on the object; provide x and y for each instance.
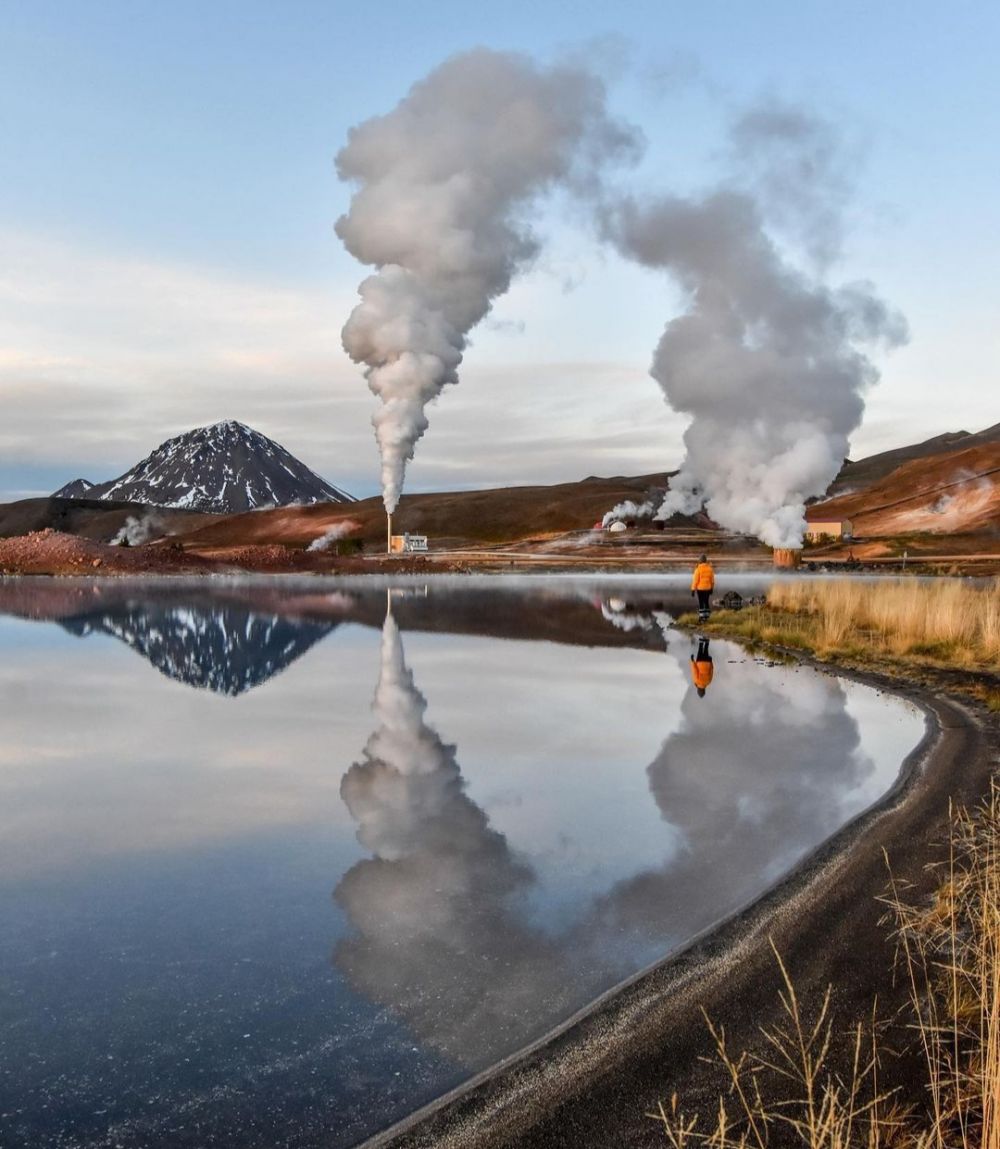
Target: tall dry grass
(811, 1104)
(957, 620)
(951, 952)
(950, 958)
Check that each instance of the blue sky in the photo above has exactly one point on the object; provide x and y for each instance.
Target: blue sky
(167, 196)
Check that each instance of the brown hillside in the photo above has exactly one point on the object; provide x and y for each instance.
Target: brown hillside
(957, 492)
(854, 476)
(481, 516)
(90, 518)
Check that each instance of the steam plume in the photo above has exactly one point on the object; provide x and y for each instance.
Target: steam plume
(441, 181)
(629, 510)
(338, 531)
(769, 360)
(136, 531)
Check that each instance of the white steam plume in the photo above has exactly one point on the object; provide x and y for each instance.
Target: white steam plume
(442, 181)
(770, 361)
(629, 510)
(136, 531)
(338, 531)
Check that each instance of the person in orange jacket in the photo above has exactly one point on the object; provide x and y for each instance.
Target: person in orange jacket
(702, 585)
(702, 667)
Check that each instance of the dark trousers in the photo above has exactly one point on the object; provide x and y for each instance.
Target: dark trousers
(704, 601)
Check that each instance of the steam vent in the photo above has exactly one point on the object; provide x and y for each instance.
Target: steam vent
(787, 558)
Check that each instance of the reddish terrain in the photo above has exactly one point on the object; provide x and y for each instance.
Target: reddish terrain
(957, 492)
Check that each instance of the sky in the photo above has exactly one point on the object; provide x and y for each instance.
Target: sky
(168, 195)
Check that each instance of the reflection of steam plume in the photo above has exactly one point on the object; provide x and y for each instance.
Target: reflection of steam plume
(438, 934)
(442, 931)
(761, 770)
(768, 360)
(441, 180)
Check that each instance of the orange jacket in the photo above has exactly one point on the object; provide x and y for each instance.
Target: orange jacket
(704, 577)
(701, 673)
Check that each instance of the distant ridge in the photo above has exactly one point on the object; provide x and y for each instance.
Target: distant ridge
(225, 468)
(857, 475)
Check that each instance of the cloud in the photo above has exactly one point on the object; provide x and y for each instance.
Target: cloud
(102, 357)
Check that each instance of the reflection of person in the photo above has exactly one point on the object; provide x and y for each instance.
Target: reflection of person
(701, 667)
(702, 584)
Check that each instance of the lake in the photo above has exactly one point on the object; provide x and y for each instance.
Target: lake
(281, 861)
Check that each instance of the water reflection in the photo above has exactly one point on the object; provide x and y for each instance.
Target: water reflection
(444, 933)
(227, 649)
(702, 667)
(752, 780)
(438, 934)
(168, 855)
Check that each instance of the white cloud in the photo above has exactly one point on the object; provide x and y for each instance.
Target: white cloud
(102, 357)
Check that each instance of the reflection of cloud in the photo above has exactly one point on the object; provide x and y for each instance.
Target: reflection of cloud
(100, 761)
(445, 933)
(438, 936)
(756, 776)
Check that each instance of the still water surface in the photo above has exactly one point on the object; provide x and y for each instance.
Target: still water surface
(279, 865)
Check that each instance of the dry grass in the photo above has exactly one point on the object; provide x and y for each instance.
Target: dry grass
(950, 957)
(951, 952)
(955, 621)
(903, 623)
(814, 1106)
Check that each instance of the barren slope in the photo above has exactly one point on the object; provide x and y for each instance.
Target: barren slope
(957, 492)
(91, 518)
(482, 516)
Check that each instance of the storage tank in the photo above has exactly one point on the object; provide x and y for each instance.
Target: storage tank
(787, 558)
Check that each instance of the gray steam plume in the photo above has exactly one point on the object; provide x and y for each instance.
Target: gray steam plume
(442, 181)
(769, 360)
(136, 531)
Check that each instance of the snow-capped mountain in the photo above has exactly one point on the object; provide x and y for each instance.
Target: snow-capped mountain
(78, 489)
(228, 650)
(227, 468)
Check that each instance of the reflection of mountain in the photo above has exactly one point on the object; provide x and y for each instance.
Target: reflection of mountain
(225, 649)
(439, 938)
